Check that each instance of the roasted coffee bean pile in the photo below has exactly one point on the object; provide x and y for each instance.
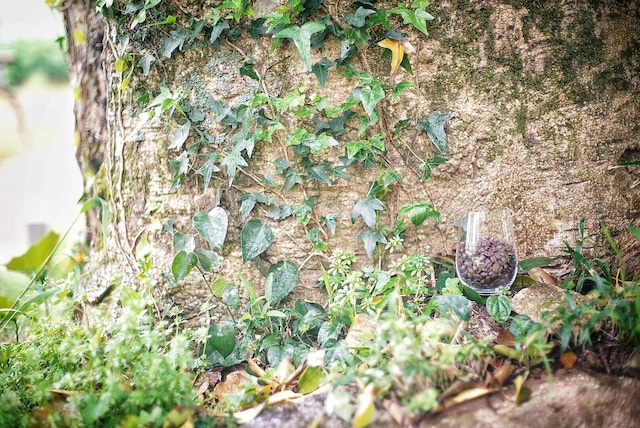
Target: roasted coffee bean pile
(490, 264)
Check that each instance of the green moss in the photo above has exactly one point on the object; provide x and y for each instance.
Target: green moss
(521, 120)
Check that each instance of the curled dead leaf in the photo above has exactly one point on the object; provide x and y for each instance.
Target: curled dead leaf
(397, 52)
(568, 360)
(232, 384)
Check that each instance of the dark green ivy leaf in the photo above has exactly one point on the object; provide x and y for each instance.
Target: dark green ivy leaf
(248, 70)
(180, 136)
(281, 212)
(175, 40)
(145, 63)
(209, 259)
(232, 161)
(222, 338)
(249, 201)
(454, 305)
(301, 37)
(358, 19)
(208, 168)
(330, 222)
(285, 277)
(434, 127)
(255, 239)
(431, 164)
(417, 17)
(182, 242)
(366, 208)
(371, 238)
(212, 226)
(321, 70)
(182, 264)
(318, 172)
(217, 30)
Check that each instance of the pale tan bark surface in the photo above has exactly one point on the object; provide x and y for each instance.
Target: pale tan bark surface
(545, 97)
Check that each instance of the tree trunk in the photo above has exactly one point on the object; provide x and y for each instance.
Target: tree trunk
(544, 103)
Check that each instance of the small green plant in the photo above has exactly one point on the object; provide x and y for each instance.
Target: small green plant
(612, 301)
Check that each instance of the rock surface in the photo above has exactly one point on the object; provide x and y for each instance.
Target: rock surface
(569, 399)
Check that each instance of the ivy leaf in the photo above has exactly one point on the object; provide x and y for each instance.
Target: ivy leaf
(183, 242)
(358, 19)
(212, 226)
(321, 70)
(248, 70)
(222, 338)
(175, 40)
(301, 37)
(434, 127)
(499, 308)
(318, 172)
(291, 179)
(431, 164)
(182, 264)
(145, 63)
(209, 259)
(401, 87)
(416, 17)
(208, 168)
(359, 36)
(371, 238)
(452, 304)
(249, 201)
(281, 212)
(217, 30)
(370, 96)
(255, 239)
(180, 136)
(330, 222)
(397, 53)
(285, 277)
(418, 212)
(232, 161)
(366, 208)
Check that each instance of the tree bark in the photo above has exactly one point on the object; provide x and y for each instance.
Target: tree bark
(544, 97)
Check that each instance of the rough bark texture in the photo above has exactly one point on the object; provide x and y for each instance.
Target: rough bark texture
(545, 102)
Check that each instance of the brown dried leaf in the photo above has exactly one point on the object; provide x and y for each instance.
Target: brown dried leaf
(362, 327)
(540, 275)
(232, 384)
(568, 360)
(464, 396)
(505, 337)
(501, 374)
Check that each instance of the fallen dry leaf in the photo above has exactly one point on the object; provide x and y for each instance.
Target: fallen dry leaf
(363, 327)
(464, 396)
(232, 384)
(501, 374)
(540, 275)
(568, 360)
(521, 395)
(505, 337)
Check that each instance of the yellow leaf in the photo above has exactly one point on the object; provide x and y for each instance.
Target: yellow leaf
(310, 380)
(366, 409)
(397, 53)
(79, 36)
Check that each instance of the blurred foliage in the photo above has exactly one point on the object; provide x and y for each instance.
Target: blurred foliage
(36, 56)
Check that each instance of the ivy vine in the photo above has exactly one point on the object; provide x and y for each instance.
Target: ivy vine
(307, 127)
